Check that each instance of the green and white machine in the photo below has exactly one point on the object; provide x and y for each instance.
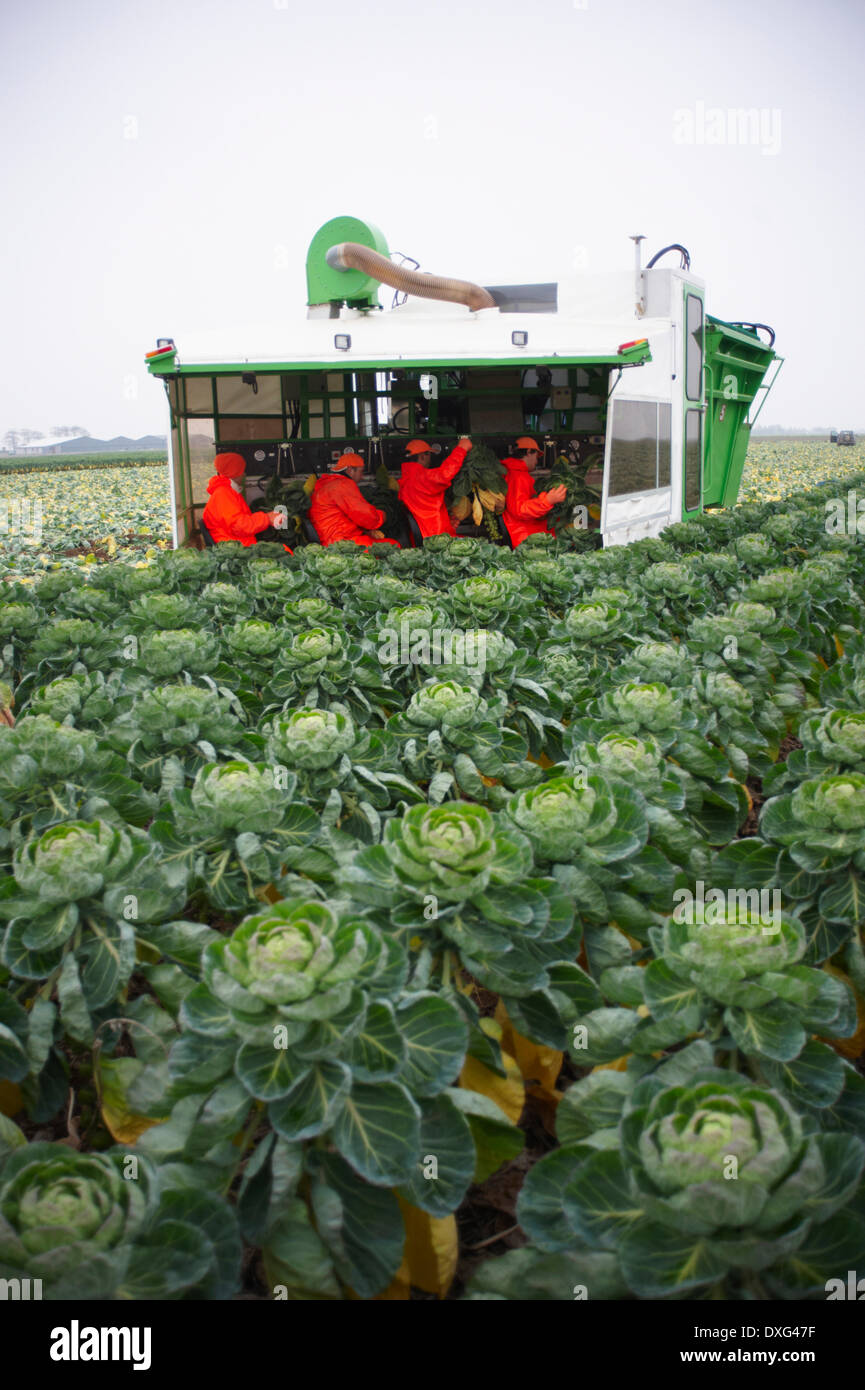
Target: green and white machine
(624, 373)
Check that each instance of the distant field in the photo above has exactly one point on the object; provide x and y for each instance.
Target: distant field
(77, 510)
(63, 515)
(776, 467)
(27, 463)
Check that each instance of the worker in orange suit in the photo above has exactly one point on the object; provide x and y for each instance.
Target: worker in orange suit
(422, 488)
(340, 512)
(524, 512)
(227, 515)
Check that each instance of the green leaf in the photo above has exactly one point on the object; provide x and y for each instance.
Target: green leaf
(602, 1036)
(174, 1257)
(601, 1204)
(378, 1051)
(186, 1198)
(843, 1158)
(650, 872)
(827, 1253)
(745, 861)
(165, 1140)
(605, 948)
(824, 937)
(204, 1013)
(106, 960)
(773, 1031)
(658, 1262)
(196, 1062)
(576, 987)
(540, 1207)
(684, 1064)
(440, 785)
(814, 1078)
(23, 963)
(447, 1159)
(169, 983)
(222, 1116)
(649, 1037)
(297, 1263)
(833, 1011)
(14, 1062)
(11, 1137)
(496, 1139)
(537, 1017)
(361, 1225)
(313, 1102)
(669, 996)
(436, 1038)
(794, 881)
(529, 1274)
(40, 1032)
(268, 1072)
(595, 1102)
(51, 931)
(844, 899)
(270, 1178)
(180, 941)
(377, 1131)
(623, 984)
(73, 1007)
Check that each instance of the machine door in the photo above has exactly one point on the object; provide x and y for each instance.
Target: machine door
(693, 434)
(637, 497)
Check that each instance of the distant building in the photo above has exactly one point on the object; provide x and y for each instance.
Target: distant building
(54, 444)
(86, 444)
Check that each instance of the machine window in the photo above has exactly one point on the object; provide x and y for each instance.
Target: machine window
(693, 460)
(634, 451)
(694, 349)
(199, 395)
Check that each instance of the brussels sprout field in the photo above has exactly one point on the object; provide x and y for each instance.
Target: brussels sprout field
(459, 922)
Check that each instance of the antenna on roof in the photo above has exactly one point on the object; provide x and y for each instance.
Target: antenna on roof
(638, 276)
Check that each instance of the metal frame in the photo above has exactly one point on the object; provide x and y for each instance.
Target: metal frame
(623, 498)
(690, 403)
(310, 393)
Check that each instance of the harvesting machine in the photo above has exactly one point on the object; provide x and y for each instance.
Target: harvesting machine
(623, 373)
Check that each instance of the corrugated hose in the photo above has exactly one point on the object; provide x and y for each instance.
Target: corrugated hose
(350, 255)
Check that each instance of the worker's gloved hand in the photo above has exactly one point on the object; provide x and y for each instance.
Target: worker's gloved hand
(278, 520)
(464, 442)
(377, 535)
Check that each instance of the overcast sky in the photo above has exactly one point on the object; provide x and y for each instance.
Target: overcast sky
(165, 165)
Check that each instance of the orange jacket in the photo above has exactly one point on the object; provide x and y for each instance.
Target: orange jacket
(523, 510)
(227, 515)
(422, 490)
(339, 511)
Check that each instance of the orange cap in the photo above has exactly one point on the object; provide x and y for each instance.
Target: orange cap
(525, 443)
(418, 446)
(347, 461)
(230, 465)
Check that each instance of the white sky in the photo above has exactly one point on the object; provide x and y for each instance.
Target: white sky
(165, 165)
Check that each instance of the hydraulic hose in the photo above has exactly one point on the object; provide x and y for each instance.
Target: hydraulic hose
(674, 246)
(350, 255)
